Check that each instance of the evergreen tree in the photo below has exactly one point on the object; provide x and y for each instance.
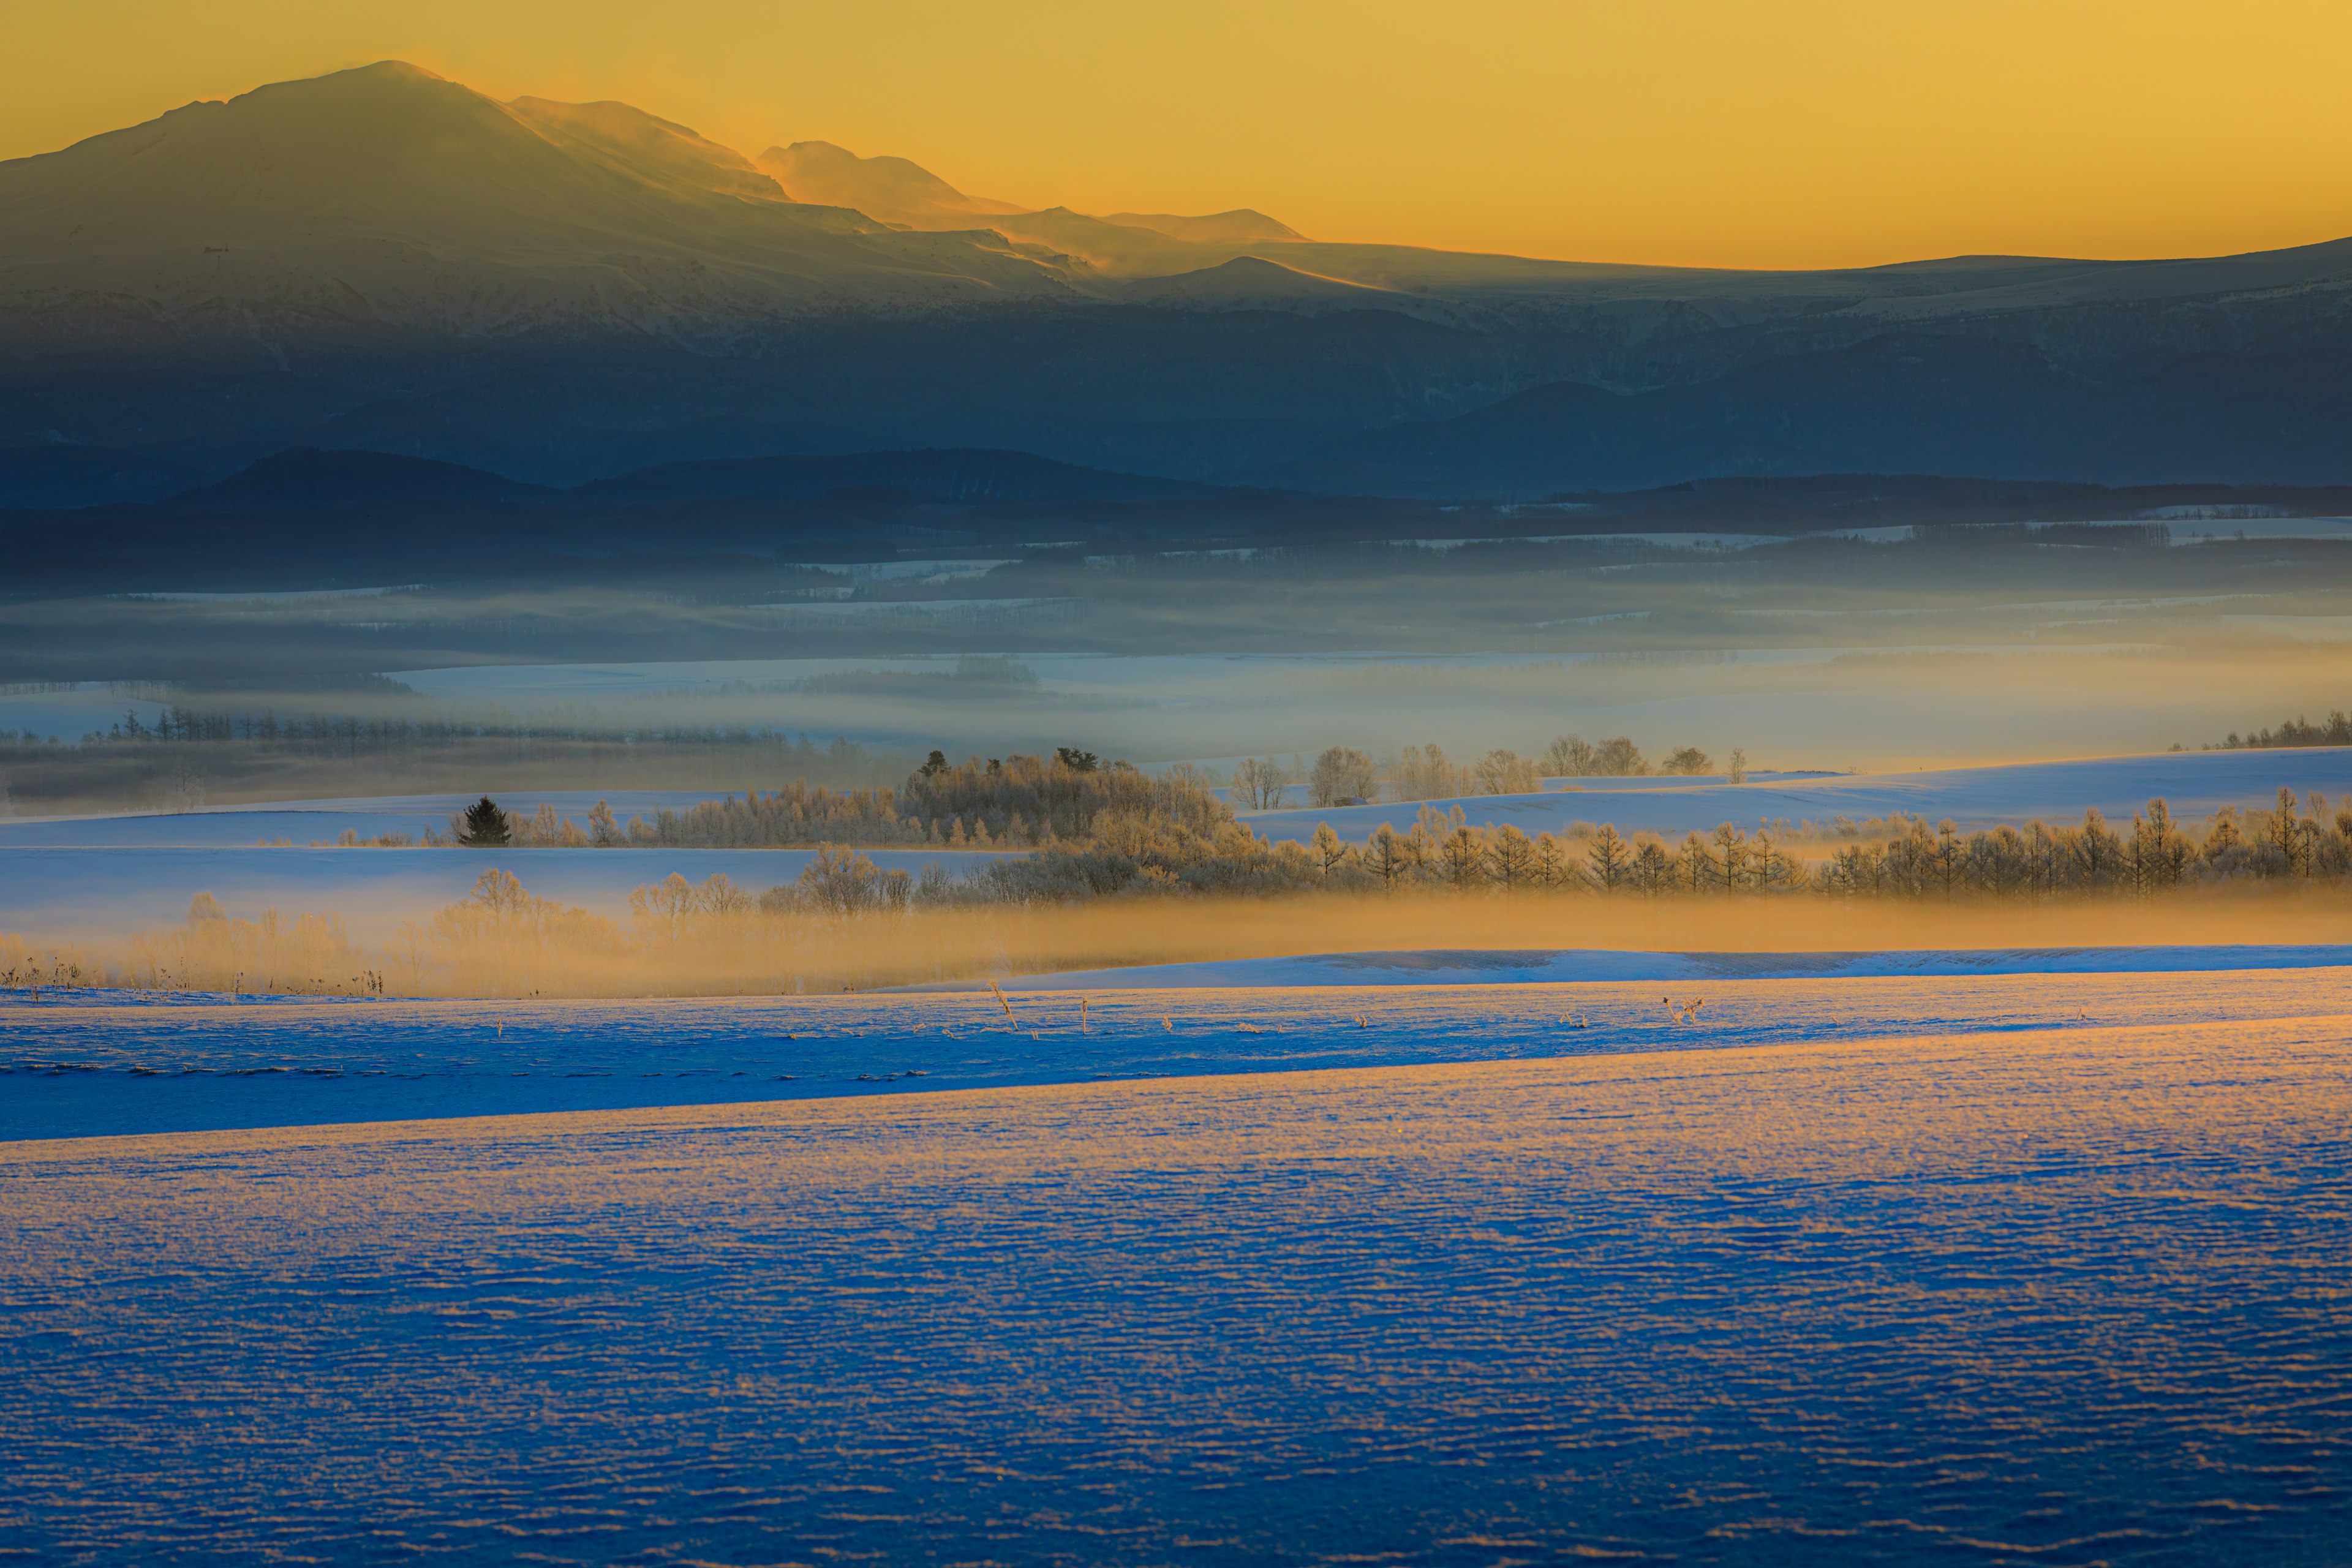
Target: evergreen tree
(483, 826)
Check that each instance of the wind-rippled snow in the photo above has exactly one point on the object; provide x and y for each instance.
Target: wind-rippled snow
(2013, 1295)
(78, 1063)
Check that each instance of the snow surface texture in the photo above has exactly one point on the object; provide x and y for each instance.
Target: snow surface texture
(2194, 783)
(1453, 966)
(2064, 1296)
(82, 1063)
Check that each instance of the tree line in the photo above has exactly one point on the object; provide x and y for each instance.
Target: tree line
(2153, 854)
(2335, 730)
(1344, 775)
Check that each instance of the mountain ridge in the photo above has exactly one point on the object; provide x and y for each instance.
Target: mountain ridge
(382, 259)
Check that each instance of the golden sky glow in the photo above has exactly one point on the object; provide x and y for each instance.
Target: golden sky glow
(1733, 132)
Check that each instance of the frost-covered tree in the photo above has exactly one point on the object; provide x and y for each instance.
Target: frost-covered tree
(1607, 858)
(1696, 868)
(1327, 850)
(1262, 781)
(1510, 857)
(1507, 773)
(1462, 857)
(1618, 757)
(1567, 754)
(1343, 776)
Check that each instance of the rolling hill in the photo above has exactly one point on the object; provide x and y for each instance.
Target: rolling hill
(380, 259)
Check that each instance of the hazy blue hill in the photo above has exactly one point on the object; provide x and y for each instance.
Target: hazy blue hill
(1903, 403)
(949, 475)
(380, 259)
(308, 478)
(1249, 282)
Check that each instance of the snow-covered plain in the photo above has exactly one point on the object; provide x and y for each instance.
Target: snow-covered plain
(2009, 1290)
(1521, 966)
(114, 1062)
(2193, 783)
(306, 822)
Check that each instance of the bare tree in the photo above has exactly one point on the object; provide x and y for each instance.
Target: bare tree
(1551, 867)
(1263, 780)
(1731, 855)
(1464, 858)
(1698, 870)
(1739, 773)
(1388, 856)
(1569, 755)
(1507, 773)
(1510, 856)
(1328, 851)
(1607, 858)
(1618, 757)
(1343, 776)
(1687, 761)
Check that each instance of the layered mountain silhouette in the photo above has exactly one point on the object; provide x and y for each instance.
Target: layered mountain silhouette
(384, 259)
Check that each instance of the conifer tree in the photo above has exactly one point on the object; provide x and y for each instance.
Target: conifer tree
(1698, 867)
(1608, 858)
(484, 827)
(1464, 856)
(1511, 857)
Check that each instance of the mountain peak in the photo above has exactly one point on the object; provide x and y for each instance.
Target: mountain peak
(1242, 226)
(657, 149)
(895, 190)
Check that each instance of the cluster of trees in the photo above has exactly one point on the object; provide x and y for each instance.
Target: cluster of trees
(1133, 853)
(1346, 776)
(1010, 802)
(797, 813)
(1041, 800)
(2296, 731)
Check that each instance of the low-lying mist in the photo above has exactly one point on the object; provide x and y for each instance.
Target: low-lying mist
(505, 942)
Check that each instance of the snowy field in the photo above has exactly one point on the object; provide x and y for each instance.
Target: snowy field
(1874, 690)
(80, 1063)
(2194, 783)
(308, 822)
(1962, 1279)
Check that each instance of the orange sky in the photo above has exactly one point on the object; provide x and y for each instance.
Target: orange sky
(1734, 132)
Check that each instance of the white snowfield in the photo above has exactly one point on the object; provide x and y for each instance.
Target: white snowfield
(1537, 966)
(304, 821)
(2195, 785)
